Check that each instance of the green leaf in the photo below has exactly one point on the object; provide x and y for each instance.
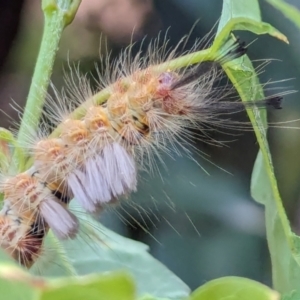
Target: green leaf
(291, 296)
(117, 286)
(243, 15)
(234, 288)
(288, 10)
(283, 243)
(14, 280)
(148, 297)
(7, 140)
(16, 284)
(100, 250)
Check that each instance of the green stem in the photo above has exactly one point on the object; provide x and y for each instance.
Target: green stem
(284, 276)
(174, 64)
(57, 14)
(260, 132)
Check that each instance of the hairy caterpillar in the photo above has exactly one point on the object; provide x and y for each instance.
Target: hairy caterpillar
(95, 157)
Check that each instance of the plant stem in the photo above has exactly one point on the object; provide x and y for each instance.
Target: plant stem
(174, 64)
(57, 14)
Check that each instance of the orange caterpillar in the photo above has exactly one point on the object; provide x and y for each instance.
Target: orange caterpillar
(94, 158)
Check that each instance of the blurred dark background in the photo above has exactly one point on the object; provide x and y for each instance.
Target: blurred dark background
(200, 225)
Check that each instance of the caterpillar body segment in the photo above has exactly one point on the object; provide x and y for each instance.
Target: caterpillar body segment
(29, 198)
(22, 242)
(96, 157)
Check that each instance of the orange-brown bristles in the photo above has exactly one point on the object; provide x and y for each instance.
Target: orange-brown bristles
(94, 156)
(20, 241)
(30, 199)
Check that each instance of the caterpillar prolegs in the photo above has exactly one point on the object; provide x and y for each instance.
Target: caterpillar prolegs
(95, 157)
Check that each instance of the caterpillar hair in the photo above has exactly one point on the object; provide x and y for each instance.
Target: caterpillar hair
(95, 156)
(236, 50)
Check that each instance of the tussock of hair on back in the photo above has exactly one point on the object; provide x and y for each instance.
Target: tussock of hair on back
(96, 149)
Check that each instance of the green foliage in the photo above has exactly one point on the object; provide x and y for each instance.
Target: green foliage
(288, 10)
(234, 288)
(18, 284)
(8, 142)
(116, 286)
(57, 15)
(283, 243)
(108, 251)
(109, 255)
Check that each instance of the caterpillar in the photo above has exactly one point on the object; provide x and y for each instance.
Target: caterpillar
(95, 157)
